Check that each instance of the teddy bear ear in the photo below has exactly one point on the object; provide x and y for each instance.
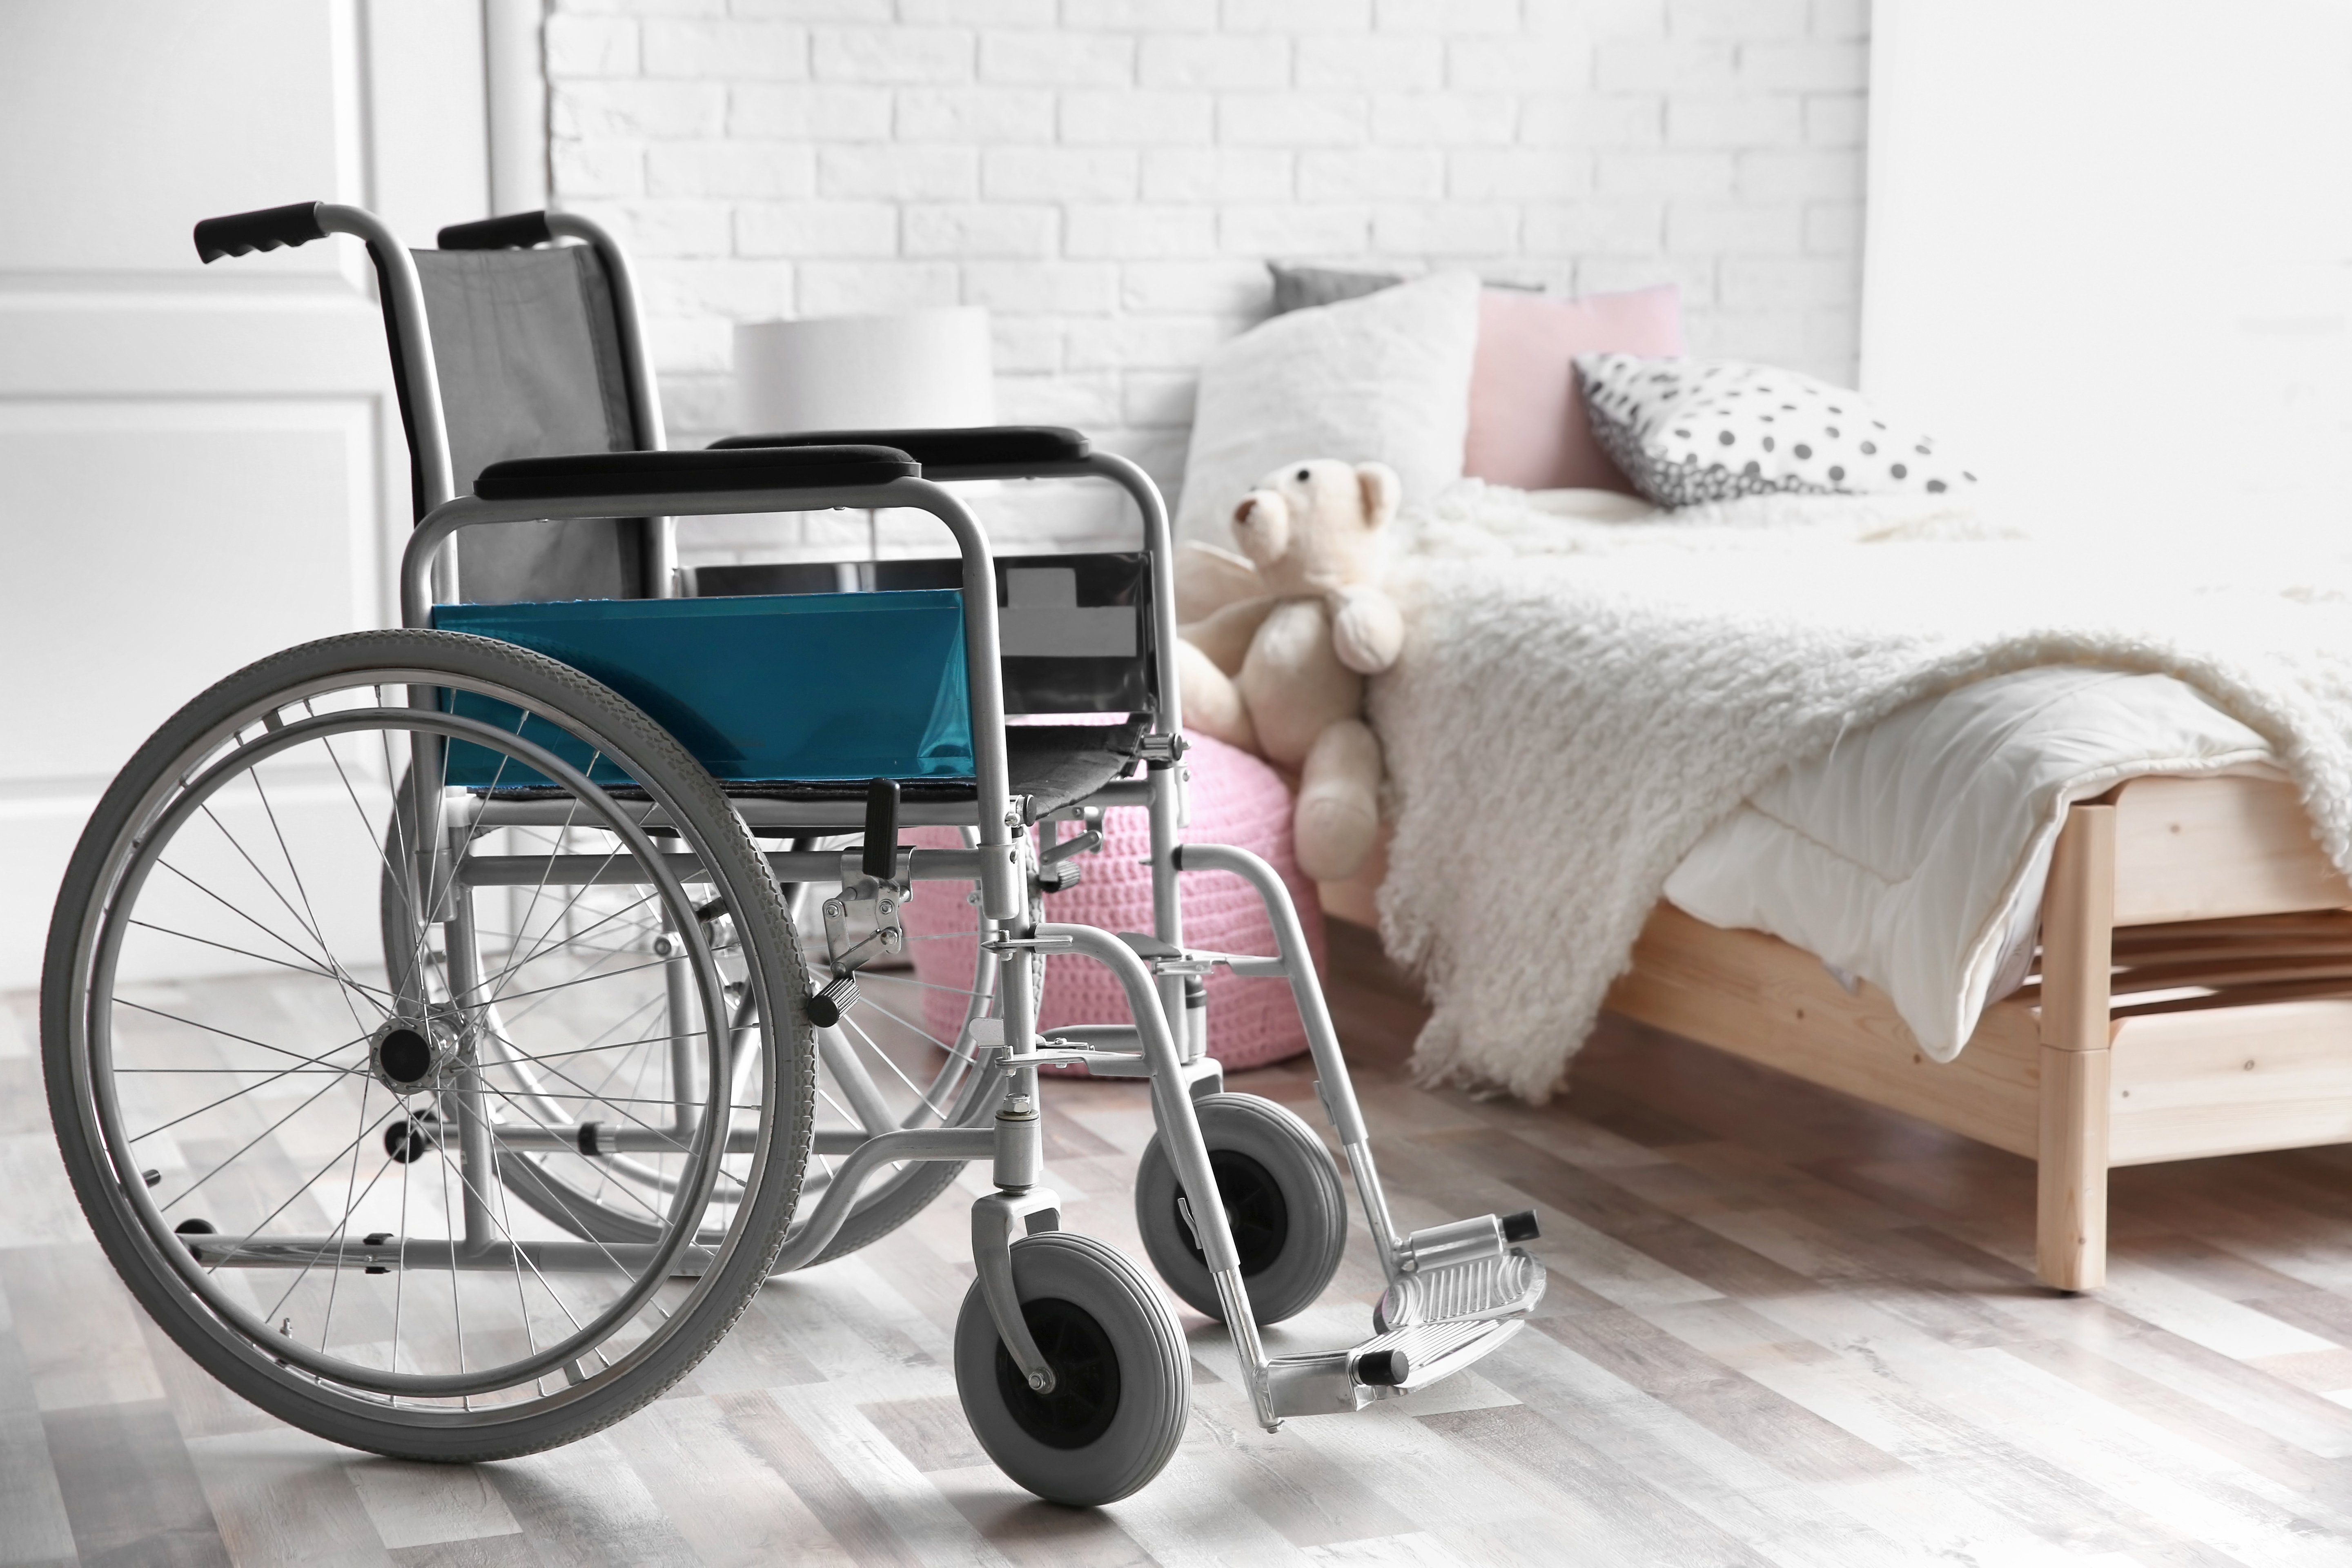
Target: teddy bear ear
(1382, 492)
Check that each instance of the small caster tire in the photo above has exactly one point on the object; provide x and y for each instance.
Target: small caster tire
(1282, 1197)
(1124, 1389)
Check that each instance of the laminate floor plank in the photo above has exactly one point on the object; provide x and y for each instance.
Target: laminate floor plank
(130, 1486)
(1783, 1327)
(583, 1505)
(285, 1499)
(1673, 1458)
(731, 1506)
(483, 1551)
(429, 1505)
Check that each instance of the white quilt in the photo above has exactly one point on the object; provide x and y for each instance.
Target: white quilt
(1913, 855)
(1581, 701)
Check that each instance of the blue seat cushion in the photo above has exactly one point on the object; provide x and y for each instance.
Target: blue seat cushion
(770, 688)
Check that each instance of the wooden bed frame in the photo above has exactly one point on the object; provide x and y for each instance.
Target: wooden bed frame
(2194, 999)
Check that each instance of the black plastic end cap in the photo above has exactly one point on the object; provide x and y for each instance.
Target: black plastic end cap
(511, 231)
(194, 1228)
(1384, 1369)
(825, 1008)
(240, 234)
(1521, 1227)
(880, 859)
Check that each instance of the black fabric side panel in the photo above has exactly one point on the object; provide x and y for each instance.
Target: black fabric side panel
(605, 333)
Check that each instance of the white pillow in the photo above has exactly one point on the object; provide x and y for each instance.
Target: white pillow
(1382, 378)
(1688, 431)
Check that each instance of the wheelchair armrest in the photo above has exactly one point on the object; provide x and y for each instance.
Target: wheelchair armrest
(586, 474)
(511, 231)
(972, 452)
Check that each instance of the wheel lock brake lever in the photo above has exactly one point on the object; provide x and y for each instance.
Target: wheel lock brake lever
(878, 896)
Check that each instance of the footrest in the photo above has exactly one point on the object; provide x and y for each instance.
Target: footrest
(1382, 1367)
(1489, 1287)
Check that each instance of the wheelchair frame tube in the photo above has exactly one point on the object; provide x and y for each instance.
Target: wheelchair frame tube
(1187, 1149)
(1166, 800)
(1336, 1088)
(404, 304)
(1002, 894)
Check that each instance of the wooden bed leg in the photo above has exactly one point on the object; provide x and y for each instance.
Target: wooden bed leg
(2077, 955)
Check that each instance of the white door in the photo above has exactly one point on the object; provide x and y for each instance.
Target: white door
(198, 465)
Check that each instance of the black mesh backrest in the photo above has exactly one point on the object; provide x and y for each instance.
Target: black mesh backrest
(529, 352)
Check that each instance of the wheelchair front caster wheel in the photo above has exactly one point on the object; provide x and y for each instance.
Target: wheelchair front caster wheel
(1282, 1198)
(1123, 1378)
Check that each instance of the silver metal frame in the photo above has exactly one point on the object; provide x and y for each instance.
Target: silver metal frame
(1004, 862)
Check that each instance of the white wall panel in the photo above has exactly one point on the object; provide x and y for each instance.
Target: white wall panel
(2110, 256)
(198, 465)
(165, 544)
(149, 115)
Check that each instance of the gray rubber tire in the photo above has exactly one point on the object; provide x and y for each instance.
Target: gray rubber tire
(1282, 1197)
(331, 1413)
(1127, 1388)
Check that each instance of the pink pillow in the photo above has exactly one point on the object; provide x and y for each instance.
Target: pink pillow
(1236, 799)
(1528, 427)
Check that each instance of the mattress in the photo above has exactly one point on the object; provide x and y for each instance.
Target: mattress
(1914, 854)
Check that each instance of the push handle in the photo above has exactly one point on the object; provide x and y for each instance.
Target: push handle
(512, 231)
(241, 234)
(881, 857)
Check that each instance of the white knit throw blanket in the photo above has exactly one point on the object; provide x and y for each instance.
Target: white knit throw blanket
(1578, 701)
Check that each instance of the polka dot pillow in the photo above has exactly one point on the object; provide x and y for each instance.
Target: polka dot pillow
(1688, 431)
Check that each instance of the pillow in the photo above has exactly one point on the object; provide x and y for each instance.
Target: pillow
(1688, 431)
(1299, 288)
(1528, 427)
(1385, 378)
(1304, 288)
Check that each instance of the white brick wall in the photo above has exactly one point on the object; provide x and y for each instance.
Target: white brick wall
(1107, 175)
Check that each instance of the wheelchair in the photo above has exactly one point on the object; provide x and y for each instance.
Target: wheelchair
(542, 1089)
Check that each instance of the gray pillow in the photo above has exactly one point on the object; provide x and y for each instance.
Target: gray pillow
(1303, 288)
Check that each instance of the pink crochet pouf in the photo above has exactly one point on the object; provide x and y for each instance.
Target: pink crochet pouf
(1236, 799)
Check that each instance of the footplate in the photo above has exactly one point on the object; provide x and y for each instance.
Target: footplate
(1478, 1292)
(1382, 1367)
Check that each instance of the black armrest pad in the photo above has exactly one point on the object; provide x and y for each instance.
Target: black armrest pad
(978, 445)
(642, 473)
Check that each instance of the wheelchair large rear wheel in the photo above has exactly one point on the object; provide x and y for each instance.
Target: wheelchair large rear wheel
(302, 1161)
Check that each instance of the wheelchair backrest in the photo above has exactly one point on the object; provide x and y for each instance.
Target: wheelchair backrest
(528, 347)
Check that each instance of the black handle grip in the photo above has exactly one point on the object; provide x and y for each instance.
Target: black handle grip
(881, 858)
(241, 234)
(513, 231)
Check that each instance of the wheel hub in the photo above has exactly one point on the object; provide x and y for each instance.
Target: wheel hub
(1085, 1376)
(1255, 1212)
(409, 1055)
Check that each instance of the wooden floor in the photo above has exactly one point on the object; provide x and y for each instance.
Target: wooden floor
(1782, 1327)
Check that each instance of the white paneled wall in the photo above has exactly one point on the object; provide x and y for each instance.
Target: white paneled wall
(1108, 176)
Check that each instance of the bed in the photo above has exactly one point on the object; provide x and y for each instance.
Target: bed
(2184, 946)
